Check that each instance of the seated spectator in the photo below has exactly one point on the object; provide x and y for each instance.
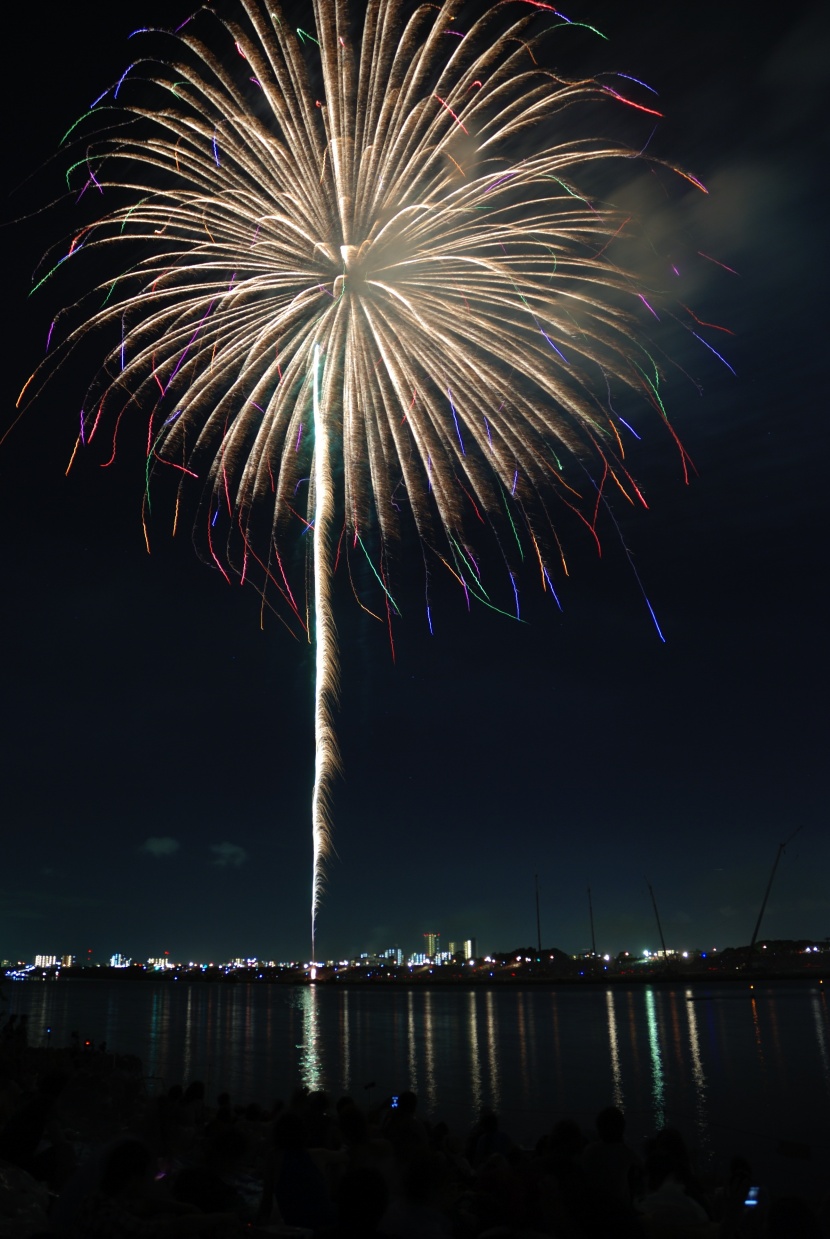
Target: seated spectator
(362, 1200)
(406, 1133)
(208, 1185)
(610, 1165)
(491, 1140)
(31, 1137)
(193, 1103)
(415, 1211)
(126, 1205)
(294, 1186)
(361, 1147)
(669, 1146)
(667, 1207)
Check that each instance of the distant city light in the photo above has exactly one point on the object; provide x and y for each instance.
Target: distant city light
(387, 963)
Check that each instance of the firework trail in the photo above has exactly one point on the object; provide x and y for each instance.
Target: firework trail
(326, 759)
(358, 290)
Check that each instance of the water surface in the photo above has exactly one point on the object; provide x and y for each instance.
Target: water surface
(735, 1069)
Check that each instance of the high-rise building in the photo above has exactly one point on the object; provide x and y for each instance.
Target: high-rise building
(463, 950)
(67, 961)
(46, 961)
(119, 961)
(432, 945)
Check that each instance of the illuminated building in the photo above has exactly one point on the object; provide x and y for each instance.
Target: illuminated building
(431, 945)
(464, 950)
(46, 961)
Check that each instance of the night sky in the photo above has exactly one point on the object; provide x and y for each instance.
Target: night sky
(156, 744)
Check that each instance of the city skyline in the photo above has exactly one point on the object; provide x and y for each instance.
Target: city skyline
(790, 957)
(395, 956)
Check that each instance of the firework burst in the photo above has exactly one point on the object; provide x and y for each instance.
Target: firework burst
(357, 286)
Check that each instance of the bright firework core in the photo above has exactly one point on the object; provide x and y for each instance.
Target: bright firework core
(360, 271)
(356, 264)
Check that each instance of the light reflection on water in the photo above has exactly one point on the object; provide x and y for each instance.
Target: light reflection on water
(558, 1057)
(410, 1031)
(430, 1086)
(634, 1044)
(677, 1010)
(345, 1028)
(158, 1039)
(616, 1073)
(698, 1075)
(819, 1006)
(522, 1039)
(722, 1063)
(493, 1045)
(310, 1045)
(475, 1060)
(187, 1065)
(657, 1087)
(759, 1041)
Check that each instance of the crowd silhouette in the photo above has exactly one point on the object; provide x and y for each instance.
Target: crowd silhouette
(91, 1150)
